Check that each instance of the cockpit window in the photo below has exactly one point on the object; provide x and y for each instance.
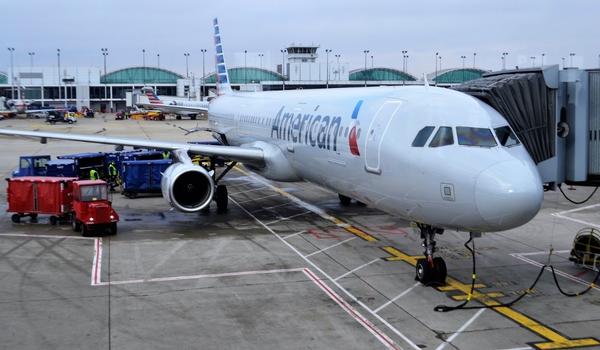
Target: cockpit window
(506, 136)
(479, 137)
(422, 136)
(443, 137)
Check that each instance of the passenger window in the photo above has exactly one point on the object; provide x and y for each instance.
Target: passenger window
(422, 136)
(506, 136)
(479, 137)
(443, 137)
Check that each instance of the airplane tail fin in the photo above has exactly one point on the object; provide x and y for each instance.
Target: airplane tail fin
(223, 86)
(152, 98)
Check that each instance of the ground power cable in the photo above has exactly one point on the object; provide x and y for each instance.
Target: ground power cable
(463, 306)
(576, 202)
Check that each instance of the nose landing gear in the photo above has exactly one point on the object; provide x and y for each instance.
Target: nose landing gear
(430, 270)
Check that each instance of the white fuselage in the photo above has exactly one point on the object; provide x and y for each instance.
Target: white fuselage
(364, 150)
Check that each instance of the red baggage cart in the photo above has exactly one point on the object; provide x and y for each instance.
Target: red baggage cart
(33, 195)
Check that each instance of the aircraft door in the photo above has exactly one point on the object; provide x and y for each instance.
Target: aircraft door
(374, 137)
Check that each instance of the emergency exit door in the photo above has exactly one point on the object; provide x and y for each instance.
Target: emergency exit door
(375, 134)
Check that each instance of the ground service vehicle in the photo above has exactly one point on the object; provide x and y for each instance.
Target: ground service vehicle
(32, 166)
(84, 203)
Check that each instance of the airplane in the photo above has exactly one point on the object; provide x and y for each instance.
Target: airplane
(433, 156)
(11, 108)
(149, 100)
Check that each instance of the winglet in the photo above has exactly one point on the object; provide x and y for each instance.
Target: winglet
(223, 86)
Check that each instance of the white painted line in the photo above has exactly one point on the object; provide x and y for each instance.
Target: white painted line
(246, 191)
(331, 246)
(368, 325)
(275, 206)
(525, 348)
(195, 277)
(97, 263)
(294, 234)
(260, 198)
(563, 216)
(558, 272)
(339, 286)
(287, 218)
(396, 297)
(357, 268)
(44, 236)
(460, 330)
(542, 252)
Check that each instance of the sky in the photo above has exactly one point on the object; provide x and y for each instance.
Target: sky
(453, 28)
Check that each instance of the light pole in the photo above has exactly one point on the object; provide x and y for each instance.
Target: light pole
(12, 73)
(203, 75)
(187, 71)
(104, 54)
(260, 56)
(463, 57)
(404, 60)
(572, 54)
(59, 87)
(365, 71)
(338, 62)
(283, 51)
(563, 62)
(437, 54)
(157, 60)
(31, 54)
(543, 54)
(327, 51)
(372, 64)
(504, 54)
(245, 67)
(474, 54)
(144, 64)
(532, 61)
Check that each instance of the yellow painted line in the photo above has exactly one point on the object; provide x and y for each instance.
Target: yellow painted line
(556, 340)
(450, 288)
(462, 297)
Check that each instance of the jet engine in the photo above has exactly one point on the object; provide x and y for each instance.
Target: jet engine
(187, 187)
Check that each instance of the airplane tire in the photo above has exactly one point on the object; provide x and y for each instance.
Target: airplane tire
(193, 117)
(221, 197)
(424, 272)
(112, 229)
(85, 231)
(440, 270)
(345, 201)
(53, 220)
(76, 225)
(178, 117)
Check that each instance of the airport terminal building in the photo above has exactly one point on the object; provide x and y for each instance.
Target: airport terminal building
(89, 86)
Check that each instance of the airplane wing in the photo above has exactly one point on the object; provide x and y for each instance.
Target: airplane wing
(247, 155)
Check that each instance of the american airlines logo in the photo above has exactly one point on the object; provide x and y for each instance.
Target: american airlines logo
(314, 130)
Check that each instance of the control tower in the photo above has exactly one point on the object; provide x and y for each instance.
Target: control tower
(302, 53)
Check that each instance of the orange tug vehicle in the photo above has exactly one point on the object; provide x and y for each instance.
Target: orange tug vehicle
(84, 203)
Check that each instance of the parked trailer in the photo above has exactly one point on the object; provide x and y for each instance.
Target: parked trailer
(32, 166)
(84, 162)
(33, 195)
(62, 168)
(143, 176)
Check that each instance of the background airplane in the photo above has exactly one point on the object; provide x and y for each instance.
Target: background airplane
(433, 156)
(149, 100)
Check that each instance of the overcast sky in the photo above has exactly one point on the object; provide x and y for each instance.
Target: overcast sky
(524, 28)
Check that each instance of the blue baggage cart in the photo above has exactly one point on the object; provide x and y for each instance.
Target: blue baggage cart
(84, 162)
(61, 168)
(143, 176)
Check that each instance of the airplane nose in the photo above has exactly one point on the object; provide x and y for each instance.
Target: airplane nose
(508, 194)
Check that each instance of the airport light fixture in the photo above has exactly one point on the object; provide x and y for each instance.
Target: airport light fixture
(372, 64)
(104, 54)
(504, 54)
(144, 64)
(437, 54)
(563, 62)
(59, 87)
(158, 60)
(338, 63)
(365, 71)
(572, 54)
(12, 73)
(260, 56)
(203, 75)
(474, 54)
(245, 67)
(404, 64)
(532, 61)
(463, 57)
(440, 57)
(543, 54)
(31, 54)
(283, 51)
(327, 51)
(187, 70)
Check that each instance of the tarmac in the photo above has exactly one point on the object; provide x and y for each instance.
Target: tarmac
(286, 267)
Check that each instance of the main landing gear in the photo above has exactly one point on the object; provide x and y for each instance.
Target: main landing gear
(429, 270)
(221, 196)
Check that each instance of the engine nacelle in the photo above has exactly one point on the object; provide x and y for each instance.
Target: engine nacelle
(187, 187)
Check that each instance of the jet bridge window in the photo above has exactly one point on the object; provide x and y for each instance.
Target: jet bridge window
(478, 137)
(443, 137)
(506, 136)
(422, 136)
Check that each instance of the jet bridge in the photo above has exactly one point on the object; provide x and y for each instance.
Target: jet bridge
(555, 113)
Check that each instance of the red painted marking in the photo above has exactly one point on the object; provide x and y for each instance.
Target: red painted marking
(97, 262)
(322, 234)
(352, 140)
